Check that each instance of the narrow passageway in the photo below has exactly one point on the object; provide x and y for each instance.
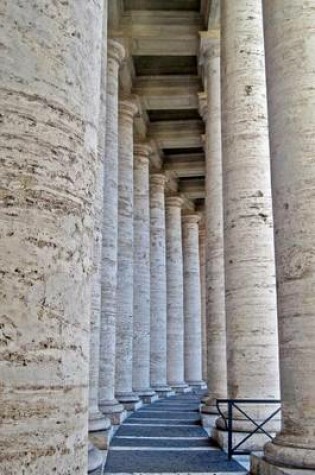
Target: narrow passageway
(167, 437)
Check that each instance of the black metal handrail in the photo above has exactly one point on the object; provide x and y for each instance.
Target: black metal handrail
(259, 427)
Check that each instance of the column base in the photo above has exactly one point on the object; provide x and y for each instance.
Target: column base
(255, 443)
(95, 458)
(180, 388)
(260, 466)
(197, 385)
(98, 422)
(209, 415)
(130, 401)
(163, 391)
(101, 439)
(114, 411)
(147, 396)
(284, 452)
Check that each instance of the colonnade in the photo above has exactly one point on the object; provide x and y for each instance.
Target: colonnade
(108, 280)
(255, 153)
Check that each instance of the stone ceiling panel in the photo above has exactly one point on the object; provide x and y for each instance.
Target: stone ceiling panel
(180, 5)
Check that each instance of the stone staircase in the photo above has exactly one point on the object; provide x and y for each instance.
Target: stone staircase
(167, 437)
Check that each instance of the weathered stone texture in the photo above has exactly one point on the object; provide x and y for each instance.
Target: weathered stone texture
(158, 283)
(141, 282)
(202, 257)
(251, 315)
(110, 234)
(96, 419)
(290, 46)
(215, 289)
(192, 301)
(124, 323)
(175, 293)
(50, 83)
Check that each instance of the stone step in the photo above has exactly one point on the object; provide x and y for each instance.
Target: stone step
(169, 409)
(163, 443)
(154, 461)
(166, 422)
(161, 431)
(173, 417)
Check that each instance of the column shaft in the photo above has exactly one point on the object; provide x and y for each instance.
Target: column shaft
(97, 421)
(175, 295)
(108, 403)
(192, 302)
(124, 326)
(49, 154)
(158, 354)
(290, 46)
(202, 254)
(141, 283)
(215, 288)
(251, 316)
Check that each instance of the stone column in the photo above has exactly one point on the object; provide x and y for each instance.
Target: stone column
(290, 44)
(158, 354)
(108, 404)
(97, 421)
(215, 290)
(49, 140)
(192, 302)
(141, 279)
(202, 254)
(251, 315)
(124, 325)
(175, 295)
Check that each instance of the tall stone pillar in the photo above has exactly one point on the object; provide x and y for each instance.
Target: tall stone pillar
(192, 302)
(141, 279)
(124, 325)
(175, 294)
(108, 404)
(158, 354)
(290, 43)
(202, 256)
(49, 141)
(251, 315)
(215, 289)
(99, 425)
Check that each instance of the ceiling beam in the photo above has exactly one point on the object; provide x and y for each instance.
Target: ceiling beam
(177, 134)
(193, 188)
(186, 166)
(163, 92)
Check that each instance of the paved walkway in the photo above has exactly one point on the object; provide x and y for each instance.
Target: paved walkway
(167, 437)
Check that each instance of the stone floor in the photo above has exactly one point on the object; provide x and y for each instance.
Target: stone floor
(167, 437)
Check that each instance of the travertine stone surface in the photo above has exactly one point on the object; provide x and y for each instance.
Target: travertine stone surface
(175, 293)
(50, 80)
(202, 256)
(215, 289)
(124, 324)
(251, 318)
(141, 269)
(158, 355)
(97, 421)
(108, 403)
(192, 301)
(290, 46)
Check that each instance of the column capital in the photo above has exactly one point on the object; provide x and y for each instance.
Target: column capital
(116, 51)
(209, 45)
(174, 201)
(190, 218)
(142, 152)
(128, 108)
(158, 179)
